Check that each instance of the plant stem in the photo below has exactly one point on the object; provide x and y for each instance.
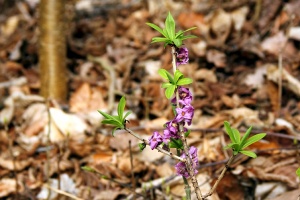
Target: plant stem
(189, 162)
(212, 190)
(158, 148)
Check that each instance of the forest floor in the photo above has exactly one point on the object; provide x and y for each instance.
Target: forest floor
(245, 66)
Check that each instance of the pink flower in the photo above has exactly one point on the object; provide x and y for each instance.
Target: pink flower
(155, 140)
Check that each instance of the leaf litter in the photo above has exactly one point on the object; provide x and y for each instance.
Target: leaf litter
(234, 62)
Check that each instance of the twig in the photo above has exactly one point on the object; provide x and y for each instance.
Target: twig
(132, 173)
(62, 192)
(212, 190)
(158, 148)
(189, 162)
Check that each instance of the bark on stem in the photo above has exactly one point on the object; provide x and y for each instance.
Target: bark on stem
(189, 162)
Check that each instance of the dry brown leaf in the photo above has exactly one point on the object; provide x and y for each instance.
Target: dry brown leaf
(10, 26)
(294, 194)
(238, 17)
(221, 25)
(20, 164)
(288, 81)
(206, 75)
(86, 99)
(35, 117)
(165, 170)
(275, 43)
(8, 186)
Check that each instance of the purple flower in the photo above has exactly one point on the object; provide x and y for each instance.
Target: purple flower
(181, 168)
(185, 114)
(182, 56)
(185, 96)
(155, 140)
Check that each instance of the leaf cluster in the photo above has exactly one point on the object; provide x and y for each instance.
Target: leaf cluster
(169, 35)
(238, 143)
(173, 81)
(118, 121)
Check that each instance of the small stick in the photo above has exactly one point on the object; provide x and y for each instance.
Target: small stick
(132, 173)
(62, 192)
(212, 190)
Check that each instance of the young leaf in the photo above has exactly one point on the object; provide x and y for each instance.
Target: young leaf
(156, 28)
(170, 91)
(105, 115)
(187, 133)
(113, 132)
(298, 172)
(121, 107)
(184, 81)
(177, 75)
(229, 131)
(178, 33)
(236, 135)
(163, 73)
(126, 115)
(177, 42)
(170, 26)
(87, 168)
(253, 139)
(142, 146)
(175, 143)
(159, 39)
(111, 122)
(189, 29)
(249, 153)
(166, 85)
(244, 138)
(188, 37)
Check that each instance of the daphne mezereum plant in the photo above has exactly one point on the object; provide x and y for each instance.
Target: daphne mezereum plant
(175, 131)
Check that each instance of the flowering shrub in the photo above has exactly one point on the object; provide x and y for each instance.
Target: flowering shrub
(175, 131)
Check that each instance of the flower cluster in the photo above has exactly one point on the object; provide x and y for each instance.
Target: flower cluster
(182, 56)
(184, 114)
(181, 168)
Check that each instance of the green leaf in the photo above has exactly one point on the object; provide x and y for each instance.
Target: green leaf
(175, 143)
(298, 172)
(184, 81)
(170, 26)
(189, 29)
(163, 73)
(113, 132)
(177, 42)
(188, 37)
(121, 107)
(170, 78)
(166, 85)
(166, 33)
(142, 146)
(233, 146)
(229, 131)
(126, 115)
(156, 28)
(179, 33)
(160, 39)
(249, 153)
(253, 139)
(236, 135)
(187, 133)
(112, 122)
(177, 75)
(105, 115)
(244, 138)
(87, 168)
(170, 91)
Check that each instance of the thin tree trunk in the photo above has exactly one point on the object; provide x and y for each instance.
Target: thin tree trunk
(52, 49)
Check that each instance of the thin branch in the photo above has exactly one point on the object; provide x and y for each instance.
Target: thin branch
(63, 192)
(132, 173)
(157, 148)
(212, 190)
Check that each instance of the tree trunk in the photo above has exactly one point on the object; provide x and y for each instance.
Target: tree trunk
(52, 49)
